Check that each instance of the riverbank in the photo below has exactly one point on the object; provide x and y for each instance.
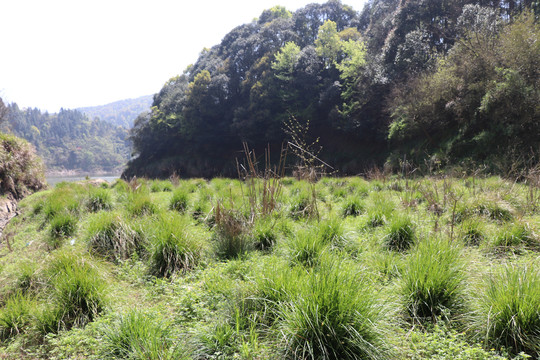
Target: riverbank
(53, 180)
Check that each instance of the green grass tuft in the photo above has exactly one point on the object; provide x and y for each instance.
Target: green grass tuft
(334, 315)
(110, 235)
(510, 309)
(140, 336)
(16, 315)
(174, 249)
(305, 248)
(99, 199)
(63, 225)
(78, 293)
(179, 200)
(401, 234)
(433, 280)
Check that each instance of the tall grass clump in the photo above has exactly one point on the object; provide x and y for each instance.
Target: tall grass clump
(433, 281)
(179, 200)
(174, 249)
(26, 280)
(161, 186)
(305, 248)
(274, 283)
(379, 210)
(63, 225)
(353, 206)
(330, 232)
(264, 235)
(472, 232)
(303, 203)
(99, 199)
(64, 198)
(514, 235)
(110, 235)
(334, 315)
(141, 204)
(231, 236)
(509, 309)
(401, 234)
(78, 292)
(16, 315)
(139, 336)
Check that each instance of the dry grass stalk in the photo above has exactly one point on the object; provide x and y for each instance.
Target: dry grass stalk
(263, 188)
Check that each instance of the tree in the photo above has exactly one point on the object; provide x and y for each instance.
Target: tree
(286, 60)
(3, 111)
(328, 43)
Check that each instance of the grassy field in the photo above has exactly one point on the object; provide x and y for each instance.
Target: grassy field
(344, 268)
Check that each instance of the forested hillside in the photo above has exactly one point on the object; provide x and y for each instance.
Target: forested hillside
(439, 82)
(69, 140)
(119, 113)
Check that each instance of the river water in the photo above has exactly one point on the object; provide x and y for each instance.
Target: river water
(53, 180)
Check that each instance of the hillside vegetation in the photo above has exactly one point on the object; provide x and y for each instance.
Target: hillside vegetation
(341, 268)
(70, 141)
(21, 170)
(120, 113)
(442, 83)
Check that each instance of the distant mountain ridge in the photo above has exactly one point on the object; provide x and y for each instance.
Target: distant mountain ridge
(120, 113)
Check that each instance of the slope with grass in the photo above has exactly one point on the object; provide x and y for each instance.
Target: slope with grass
(341, 268)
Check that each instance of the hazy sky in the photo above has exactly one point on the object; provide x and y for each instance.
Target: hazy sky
(74, 53)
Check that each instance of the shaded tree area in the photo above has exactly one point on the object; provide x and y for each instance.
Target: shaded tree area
(345, 72)
(68, 140)
(481, 103)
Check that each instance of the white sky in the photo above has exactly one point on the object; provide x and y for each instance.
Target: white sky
(74, 53)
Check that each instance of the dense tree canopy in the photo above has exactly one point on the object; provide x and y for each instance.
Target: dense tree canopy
(396, 70)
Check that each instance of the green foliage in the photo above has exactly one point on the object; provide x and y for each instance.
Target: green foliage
(510, 309)
(432, 283)
(161, 186)
(264, 235)
(139, 335)
(65, 198)
(472, 232)
(328, 43)
(441, 343)
(231, 238)
(286, 60)
(318, 288)
(483, 91)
